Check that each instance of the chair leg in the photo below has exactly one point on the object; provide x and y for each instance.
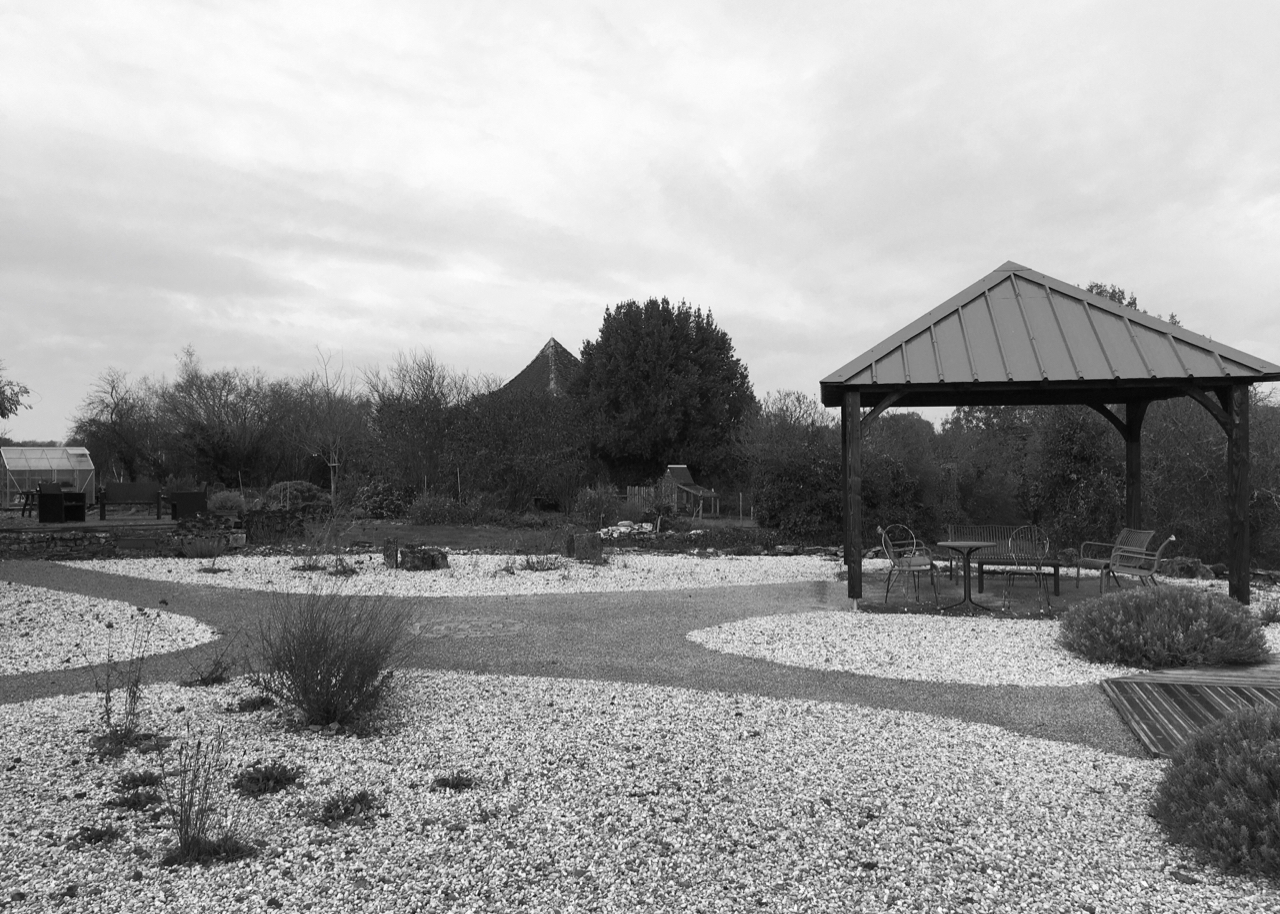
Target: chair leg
(888, 582)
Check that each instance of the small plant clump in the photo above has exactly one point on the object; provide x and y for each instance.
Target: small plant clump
(251, 703)
(1163, 627)
(328, 655)
(343, 808)
(188, 792)
(543, 563)
(136, 790)
(257, 780)
(218, 668)
(93, 834)
(457, 780)
(1221, 793)
(118, 683)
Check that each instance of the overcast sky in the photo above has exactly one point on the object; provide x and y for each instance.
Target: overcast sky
(261, 179)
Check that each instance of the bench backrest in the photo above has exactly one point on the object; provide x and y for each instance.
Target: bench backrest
(994, 533)
(131, 493)
(1000, 534)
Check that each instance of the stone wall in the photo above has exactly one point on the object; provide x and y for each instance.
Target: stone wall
(56, 545)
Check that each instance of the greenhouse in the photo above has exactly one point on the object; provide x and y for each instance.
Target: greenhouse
(24, 468)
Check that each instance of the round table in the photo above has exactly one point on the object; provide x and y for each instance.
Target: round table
(966, 548)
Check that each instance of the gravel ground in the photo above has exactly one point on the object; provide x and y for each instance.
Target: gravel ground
(475, 574)
(43, 629)
(602, 797)
(930, 648)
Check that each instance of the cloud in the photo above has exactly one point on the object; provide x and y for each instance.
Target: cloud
(473, 180)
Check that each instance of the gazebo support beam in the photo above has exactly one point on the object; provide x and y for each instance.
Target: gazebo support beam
(1130, 427)
(1237, 409)
(851, 453)
(1133, 416)
(880, 407)
(1231, 410)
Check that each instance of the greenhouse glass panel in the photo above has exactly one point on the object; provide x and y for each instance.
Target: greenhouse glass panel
(24, 468)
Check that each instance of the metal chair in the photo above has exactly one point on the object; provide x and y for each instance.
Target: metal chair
(907, 555)
(1098, 555)
(1138, 563)
(1029, 548)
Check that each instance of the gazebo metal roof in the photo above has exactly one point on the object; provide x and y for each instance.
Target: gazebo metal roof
(1017, 336)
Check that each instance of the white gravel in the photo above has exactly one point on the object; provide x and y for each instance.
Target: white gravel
(487, 575)
(976, 651)
(606, 797)
(42, 629)
(933, 648)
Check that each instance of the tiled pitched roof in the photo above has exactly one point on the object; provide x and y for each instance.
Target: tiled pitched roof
(551, 371)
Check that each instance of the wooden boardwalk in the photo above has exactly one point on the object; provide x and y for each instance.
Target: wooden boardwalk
(1165, 707)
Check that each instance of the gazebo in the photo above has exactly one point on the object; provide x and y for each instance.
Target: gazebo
(1017, 337)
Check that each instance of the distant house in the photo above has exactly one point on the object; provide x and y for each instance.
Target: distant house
(552, 371)
(676, 487)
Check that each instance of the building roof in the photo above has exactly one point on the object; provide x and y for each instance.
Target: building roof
(552, 370)
(1018, 336)
(680, 473)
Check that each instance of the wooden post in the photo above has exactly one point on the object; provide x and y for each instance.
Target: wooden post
(1238, 492)
(851, 452)
(1133, 416)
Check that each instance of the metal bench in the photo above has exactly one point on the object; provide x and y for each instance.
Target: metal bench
(1001, 555)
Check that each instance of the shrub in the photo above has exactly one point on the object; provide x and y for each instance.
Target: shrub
(1160, 627)
(257, 780)
(342, 807)
(227, 500)
(1220, 794)
(596, 506)
(295, 494)
(328, 654)
(378, 499)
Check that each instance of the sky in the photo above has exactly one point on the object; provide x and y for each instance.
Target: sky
(270, 182)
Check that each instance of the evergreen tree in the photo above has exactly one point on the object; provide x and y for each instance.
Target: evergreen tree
(662, 385)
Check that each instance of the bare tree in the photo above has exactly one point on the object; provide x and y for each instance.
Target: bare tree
(332, 416)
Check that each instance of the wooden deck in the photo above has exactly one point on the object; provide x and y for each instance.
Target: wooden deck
(1165, 707)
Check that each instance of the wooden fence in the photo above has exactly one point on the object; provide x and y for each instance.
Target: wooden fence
(730, 504)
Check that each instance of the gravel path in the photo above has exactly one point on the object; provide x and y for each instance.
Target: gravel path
(597, 796)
